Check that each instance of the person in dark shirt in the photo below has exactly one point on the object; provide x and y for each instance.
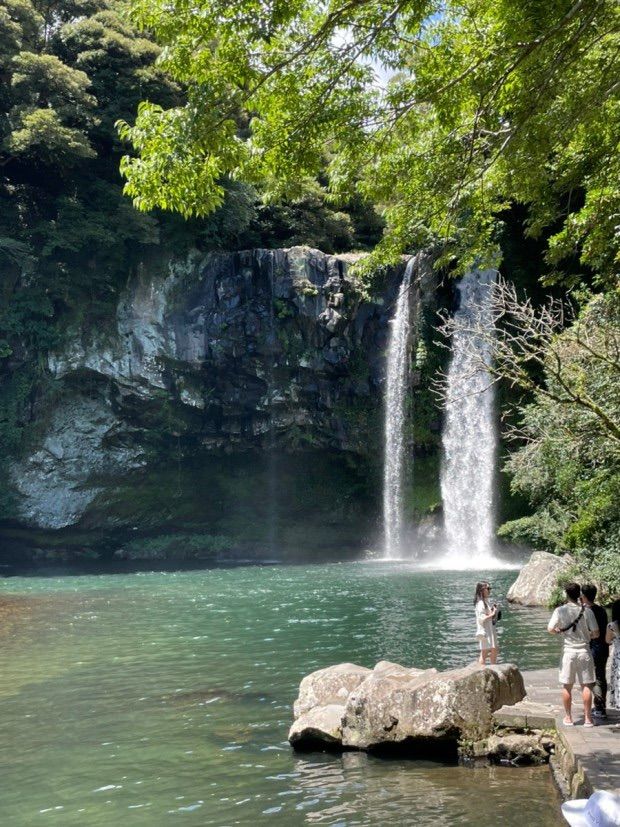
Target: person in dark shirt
(600, 651)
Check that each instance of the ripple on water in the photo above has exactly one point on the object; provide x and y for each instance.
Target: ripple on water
(154, 697)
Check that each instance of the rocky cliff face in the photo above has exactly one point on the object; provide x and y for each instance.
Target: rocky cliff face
(272, 353)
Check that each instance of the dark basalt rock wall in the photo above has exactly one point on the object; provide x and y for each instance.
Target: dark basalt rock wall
(263, 353)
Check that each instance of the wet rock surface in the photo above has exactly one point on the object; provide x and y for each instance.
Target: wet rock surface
(85, 442)
(519, 749)
(214, 355)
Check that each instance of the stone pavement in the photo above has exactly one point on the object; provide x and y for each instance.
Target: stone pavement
(589, 759)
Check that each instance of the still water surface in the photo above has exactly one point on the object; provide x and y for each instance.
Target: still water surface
(165, 698)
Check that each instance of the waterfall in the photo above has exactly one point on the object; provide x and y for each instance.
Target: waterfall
(395, 402)
(469, 433)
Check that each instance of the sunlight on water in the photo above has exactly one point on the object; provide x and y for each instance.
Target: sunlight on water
(483, 564)
(432, 563)
(158, 699)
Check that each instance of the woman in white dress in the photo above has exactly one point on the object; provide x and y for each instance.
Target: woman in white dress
(486, 613)
(612, 636)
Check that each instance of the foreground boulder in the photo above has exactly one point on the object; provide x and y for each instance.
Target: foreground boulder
(537, 579)
(394, 706)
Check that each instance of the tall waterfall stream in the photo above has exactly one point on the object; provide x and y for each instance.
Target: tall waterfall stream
(469, 435)
(395, 413)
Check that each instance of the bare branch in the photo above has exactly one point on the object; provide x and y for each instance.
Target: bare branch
(522, 337)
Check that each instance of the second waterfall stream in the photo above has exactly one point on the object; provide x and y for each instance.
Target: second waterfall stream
(469, 436)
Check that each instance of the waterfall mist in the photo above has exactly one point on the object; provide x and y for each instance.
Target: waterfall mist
(397, 377)
(469, 434)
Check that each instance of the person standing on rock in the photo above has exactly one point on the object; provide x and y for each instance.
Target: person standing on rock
(486, 614)
(578, 625)
(600, 651)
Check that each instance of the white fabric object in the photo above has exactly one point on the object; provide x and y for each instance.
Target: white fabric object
(602, 809)
(577, 667)
(489, 639)
(579, 637)
(482, 625)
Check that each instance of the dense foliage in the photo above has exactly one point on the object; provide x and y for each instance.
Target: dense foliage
(69, 69)
(486, 104)
(569, 460)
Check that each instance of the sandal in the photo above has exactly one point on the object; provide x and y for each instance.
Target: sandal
(588, 724)
(567, 722)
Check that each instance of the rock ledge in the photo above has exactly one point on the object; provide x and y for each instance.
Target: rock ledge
(391, 706)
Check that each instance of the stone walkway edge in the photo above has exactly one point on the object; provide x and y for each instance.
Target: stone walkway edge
(586, 759)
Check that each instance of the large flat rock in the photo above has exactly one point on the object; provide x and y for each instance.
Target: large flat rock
(392, 708)
(393, 705)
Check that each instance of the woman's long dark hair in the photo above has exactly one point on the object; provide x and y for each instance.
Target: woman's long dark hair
(615, 612)
(479, 589)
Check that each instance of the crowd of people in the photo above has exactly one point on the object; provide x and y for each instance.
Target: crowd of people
(587, 636)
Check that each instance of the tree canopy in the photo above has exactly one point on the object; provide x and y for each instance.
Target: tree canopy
(69, 70)
(486, 104)
(69, 238)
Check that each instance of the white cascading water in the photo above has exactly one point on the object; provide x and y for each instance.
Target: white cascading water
(395, 413)
(469, 434)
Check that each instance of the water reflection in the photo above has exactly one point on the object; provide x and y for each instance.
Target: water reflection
(379, 792)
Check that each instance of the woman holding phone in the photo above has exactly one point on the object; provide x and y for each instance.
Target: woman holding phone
(486, 614)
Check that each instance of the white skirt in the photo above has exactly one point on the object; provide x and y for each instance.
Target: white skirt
(489, 639)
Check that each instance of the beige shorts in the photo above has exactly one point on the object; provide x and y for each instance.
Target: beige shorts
(577, 667)
(488, 640)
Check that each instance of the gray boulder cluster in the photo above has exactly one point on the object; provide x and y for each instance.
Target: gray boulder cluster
(351, 707)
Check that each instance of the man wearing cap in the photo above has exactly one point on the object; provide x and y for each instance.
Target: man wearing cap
(577, 624)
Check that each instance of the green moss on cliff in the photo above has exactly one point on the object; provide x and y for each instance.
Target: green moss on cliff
(306, 501)
(424, 493)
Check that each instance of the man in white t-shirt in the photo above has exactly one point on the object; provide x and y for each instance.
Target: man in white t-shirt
(577, 624)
